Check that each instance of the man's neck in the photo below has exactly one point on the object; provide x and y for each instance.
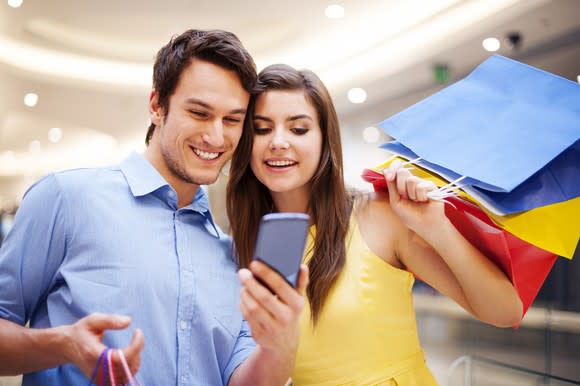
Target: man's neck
(185, 191)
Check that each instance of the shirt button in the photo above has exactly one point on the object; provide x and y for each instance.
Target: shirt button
(183, 325)
(183, 379)
(171, 194)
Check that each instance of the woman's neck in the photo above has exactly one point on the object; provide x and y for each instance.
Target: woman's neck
(294, 201)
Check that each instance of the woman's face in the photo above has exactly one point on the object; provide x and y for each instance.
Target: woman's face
(287, 141)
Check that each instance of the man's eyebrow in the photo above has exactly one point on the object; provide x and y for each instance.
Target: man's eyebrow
(199, 102)
(195, 101)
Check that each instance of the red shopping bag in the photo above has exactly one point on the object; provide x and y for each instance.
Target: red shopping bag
(526, 265)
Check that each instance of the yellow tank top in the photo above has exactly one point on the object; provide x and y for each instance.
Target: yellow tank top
(366, 333)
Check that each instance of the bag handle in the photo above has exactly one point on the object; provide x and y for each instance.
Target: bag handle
(106, 368)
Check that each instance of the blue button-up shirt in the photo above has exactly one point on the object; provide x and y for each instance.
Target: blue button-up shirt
(113, 240)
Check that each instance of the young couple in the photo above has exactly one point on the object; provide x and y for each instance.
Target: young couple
(95, 251)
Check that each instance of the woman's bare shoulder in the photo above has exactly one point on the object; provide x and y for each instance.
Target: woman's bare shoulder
(379, 225)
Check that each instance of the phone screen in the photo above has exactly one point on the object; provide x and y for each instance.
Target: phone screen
(280, 243)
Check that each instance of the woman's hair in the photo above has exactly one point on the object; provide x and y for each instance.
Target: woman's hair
(330, 203)
(221, 48)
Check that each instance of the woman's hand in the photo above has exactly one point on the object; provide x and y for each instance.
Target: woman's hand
(273, 317)
(409, 200)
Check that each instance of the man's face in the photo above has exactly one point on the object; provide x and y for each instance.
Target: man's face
(199, 133)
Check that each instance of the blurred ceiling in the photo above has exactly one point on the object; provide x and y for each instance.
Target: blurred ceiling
(90, 63)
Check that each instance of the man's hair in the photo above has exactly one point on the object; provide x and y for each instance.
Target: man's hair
(219, 47)
(330, 202)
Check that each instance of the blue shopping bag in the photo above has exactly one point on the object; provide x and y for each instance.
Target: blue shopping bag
(558, 181)
(499, 126)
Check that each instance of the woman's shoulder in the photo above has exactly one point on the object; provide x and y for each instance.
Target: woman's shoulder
(374, 204)
(379, 226)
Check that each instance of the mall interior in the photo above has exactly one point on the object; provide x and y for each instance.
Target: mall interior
(75, 79)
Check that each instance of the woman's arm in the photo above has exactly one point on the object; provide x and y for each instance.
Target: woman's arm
(273, 319)
(427, 244)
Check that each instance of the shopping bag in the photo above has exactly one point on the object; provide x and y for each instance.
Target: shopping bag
(106, 370)
(554, 228)
(500, 125)
(556, 182)
(526, 265)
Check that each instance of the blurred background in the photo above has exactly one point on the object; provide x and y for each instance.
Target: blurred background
(75, 78)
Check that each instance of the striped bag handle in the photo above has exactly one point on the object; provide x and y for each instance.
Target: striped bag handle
(105, 367)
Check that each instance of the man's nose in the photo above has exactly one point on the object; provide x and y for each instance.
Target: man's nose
(214, 135)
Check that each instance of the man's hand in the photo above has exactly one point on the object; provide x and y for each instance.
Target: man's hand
(85, 345)
(273, 318)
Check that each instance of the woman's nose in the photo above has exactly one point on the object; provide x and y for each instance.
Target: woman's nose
(279, 142)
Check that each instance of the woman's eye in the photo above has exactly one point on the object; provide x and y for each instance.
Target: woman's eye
(233, 121)
(299, 130)
(261, 130)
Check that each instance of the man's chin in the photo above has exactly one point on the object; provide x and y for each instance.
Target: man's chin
(203, 180)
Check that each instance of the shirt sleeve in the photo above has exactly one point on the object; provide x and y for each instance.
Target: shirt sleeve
(244, 346)
(32, 251)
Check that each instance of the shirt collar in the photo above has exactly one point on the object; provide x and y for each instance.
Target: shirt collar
(143, 179)
(141, 176)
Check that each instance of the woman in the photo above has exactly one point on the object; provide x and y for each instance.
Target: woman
(364, 249)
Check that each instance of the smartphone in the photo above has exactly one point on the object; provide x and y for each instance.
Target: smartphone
(280, 243)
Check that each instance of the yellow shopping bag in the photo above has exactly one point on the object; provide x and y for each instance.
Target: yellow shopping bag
(553, 228)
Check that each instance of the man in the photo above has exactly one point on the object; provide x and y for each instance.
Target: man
(97, 250)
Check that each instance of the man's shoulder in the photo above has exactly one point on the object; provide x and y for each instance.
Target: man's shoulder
(83, 178)
(73, 181)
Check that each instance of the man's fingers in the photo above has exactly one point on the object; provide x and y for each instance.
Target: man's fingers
(99, 321)
(132, 355)
(133, 351)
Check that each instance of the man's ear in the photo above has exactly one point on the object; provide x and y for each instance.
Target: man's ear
(155, 111)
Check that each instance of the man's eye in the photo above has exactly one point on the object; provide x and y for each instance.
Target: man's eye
(299, 130)
(261, 130)
(199, 114)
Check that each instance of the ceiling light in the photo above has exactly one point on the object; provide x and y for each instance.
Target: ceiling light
(357, 95)
(60, 64)
(34, 147)
(30, 99)
(371, 134)
(334, 11)
(55, 134)
(578, 78)
(15, 3)
(491, 44)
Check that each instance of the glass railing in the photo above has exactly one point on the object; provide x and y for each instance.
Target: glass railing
(476, 371)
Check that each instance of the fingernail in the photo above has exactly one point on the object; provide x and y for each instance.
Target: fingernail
(244, 274)
(390, 176)
(123, 319)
